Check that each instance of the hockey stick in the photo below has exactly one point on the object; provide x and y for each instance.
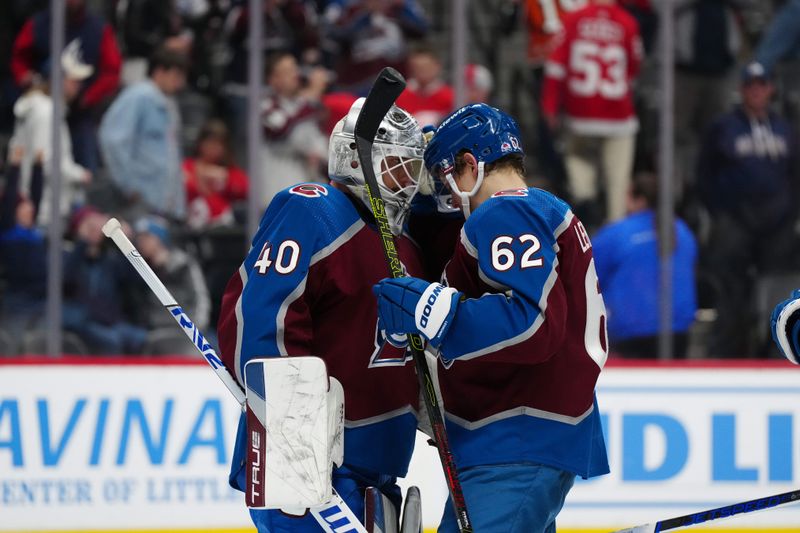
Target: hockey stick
(767, 502)
(382, 95)
(113, 230)
(332, 516)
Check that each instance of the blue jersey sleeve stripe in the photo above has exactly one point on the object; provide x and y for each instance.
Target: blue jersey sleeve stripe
(520, 411)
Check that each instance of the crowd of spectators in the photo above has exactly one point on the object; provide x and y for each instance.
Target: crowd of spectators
(154, 133)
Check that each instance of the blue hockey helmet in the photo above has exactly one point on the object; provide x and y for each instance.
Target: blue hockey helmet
(486, 132)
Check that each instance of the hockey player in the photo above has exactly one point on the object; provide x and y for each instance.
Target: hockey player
(304, 289)
(785, 325)
(520, 331)
(589, 74)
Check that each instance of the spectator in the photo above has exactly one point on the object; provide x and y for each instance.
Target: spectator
(13, 15)
(179, 272)
(98, 48)
(290, 26)
(707, 40)
(33, 130)
(335, 106)
(23, 252)
(144, 26)
(478, 82)
(543, 21)
(372, 34)
(214, 184)
(294, 147)
(627, 258)
(426, 96)
(590, 74)
(95, 281)
(139, 136)
(782, 38)
(747, 178)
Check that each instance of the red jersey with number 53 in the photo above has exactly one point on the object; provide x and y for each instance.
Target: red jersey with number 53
(528, 342)
(590, 72)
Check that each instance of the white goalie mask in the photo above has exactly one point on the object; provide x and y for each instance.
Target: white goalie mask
(397, 159)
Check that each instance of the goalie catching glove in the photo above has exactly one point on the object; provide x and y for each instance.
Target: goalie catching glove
(785, 324)
(412, 305)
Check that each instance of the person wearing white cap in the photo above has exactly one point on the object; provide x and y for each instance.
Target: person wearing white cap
(33, 112)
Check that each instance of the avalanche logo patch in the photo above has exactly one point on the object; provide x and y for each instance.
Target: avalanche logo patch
(505, 147)
(309, 190)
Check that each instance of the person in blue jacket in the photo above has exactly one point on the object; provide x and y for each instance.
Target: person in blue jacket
(626, 255)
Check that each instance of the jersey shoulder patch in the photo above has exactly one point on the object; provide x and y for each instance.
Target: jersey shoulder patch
(319, 209)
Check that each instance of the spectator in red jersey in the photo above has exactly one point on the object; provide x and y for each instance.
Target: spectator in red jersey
(426, 96)
(99, 50)
(478, 82)
(214, 184)
(336, 105)
(543, 23)
(589, 75)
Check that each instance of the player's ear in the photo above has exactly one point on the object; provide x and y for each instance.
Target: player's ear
(471, 164)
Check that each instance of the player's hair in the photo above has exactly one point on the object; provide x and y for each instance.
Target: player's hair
(515, 161)
(165, 59)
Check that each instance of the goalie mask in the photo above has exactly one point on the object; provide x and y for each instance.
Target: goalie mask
(396, 159)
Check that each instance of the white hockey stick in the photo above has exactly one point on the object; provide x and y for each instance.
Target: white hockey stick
(334, 516)
(113, 230)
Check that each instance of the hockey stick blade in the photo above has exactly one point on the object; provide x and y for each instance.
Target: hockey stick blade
(727, 511)
(384, 92)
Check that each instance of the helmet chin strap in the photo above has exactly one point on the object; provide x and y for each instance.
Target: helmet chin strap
(465, 196)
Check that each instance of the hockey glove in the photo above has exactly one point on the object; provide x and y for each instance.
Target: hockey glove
(411, 305)
(785, 325)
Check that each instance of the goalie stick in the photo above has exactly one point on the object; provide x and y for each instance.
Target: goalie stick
(382, 95)
(333, 516)
(759, 504)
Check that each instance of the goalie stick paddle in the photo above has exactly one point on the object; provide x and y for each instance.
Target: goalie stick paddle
(332, 516)
(382, 95)
(759, 504)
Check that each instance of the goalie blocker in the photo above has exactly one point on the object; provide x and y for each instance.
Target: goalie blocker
(295, 423)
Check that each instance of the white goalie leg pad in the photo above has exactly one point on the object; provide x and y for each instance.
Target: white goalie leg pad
(294, 426)
(412, 512)
(380, 516)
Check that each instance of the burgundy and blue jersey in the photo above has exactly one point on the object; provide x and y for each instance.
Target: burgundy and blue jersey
(305, 288)
(529, 342)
